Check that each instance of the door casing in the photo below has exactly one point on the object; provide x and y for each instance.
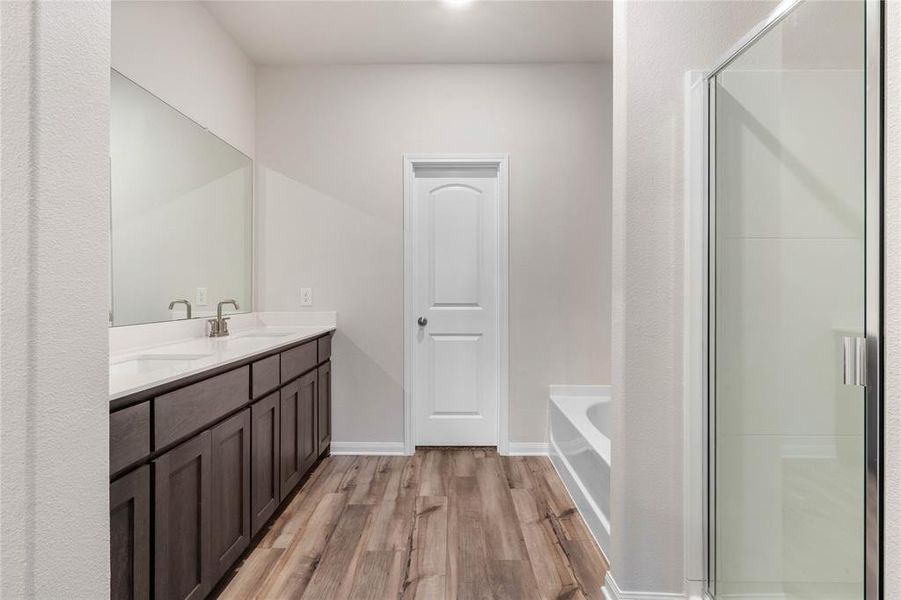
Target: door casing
(502, 162)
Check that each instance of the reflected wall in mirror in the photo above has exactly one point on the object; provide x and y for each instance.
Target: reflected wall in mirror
(182, 213)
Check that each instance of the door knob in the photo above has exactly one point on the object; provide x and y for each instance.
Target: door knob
(422, 321)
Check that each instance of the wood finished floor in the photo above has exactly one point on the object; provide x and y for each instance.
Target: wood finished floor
(442, 524)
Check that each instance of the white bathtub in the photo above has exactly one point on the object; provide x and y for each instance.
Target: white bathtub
(579, 423)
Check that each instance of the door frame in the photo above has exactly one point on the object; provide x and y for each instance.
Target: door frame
(873, 245)
(502, 162)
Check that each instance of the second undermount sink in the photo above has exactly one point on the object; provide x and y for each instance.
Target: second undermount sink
(262, 335)
(145, 363)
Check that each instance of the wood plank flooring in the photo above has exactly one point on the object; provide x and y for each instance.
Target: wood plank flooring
(443, 524)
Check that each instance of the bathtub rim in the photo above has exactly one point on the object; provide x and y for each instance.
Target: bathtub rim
(573, 401)
(598, 390)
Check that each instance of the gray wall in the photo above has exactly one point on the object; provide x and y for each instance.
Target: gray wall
(330, 142)
(54, 442)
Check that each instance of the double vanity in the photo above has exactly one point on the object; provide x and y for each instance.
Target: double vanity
(209, 437)
(213, 423)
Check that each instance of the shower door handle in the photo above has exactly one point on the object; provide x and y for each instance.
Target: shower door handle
(854, 360)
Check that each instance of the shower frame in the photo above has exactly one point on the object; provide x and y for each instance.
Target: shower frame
(873, 249)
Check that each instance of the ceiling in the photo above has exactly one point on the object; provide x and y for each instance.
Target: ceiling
(424, 31)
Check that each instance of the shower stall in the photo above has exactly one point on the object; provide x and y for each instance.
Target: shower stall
(793, 307)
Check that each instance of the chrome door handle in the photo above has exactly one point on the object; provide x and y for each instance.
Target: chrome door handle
(854, 360)
(422, 321)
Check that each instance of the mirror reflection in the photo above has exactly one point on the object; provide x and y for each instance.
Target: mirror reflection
(181, 213)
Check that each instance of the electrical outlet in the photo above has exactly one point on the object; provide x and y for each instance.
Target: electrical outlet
(200, 297)
(306, 296)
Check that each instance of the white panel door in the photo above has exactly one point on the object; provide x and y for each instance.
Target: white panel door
(455, 363)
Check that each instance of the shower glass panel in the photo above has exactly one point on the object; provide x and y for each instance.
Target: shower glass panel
(788, 207)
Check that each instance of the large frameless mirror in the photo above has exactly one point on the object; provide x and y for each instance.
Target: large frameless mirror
(181, 213)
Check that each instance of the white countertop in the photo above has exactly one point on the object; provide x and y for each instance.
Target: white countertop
(142, 368)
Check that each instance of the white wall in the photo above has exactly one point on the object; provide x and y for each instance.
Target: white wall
(655, 44)
(330, 142)
(178, 51)
(54, 452)
(892, 317)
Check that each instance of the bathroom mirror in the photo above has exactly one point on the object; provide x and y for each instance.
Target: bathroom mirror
(181, 213)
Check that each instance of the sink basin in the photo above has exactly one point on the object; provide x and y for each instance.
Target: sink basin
(146, 363)
(262, 335)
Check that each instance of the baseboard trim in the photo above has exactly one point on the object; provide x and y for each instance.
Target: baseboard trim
(398, 448)
(527, 449)
(612, 592)
(368, 448)
(696, 590)
(610, 589)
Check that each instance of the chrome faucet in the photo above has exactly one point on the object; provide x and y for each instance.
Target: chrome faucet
(219, 325)
(181, 301)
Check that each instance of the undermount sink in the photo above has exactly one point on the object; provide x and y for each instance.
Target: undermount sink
(262, 335)
(146, 363)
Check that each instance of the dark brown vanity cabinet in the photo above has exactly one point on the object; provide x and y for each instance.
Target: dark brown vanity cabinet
(324, 412)
(130, 536)
(307, 446)
(290, 467)
(264, 432)
(202, 465)
(182, 514)
(299, 449)
(230, 491)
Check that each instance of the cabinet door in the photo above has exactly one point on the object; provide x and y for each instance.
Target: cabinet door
(231, 491)
(307, 443)
(129, 516)
(182, 528)
(290, 467)
(264, 496)
(324, 410)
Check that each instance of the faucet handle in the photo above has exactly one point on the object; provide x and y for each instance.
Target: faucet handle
(223, 325)
(214, 327)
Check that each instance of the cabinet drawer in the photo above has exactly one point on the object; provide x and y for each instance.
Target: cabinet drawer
(325, 348)
(298, 361)
(191, 408)
(264, 375)
(129, 436)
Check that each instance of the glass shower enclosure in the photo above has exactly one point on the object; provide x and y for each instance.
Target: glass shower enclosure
(794, 317)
